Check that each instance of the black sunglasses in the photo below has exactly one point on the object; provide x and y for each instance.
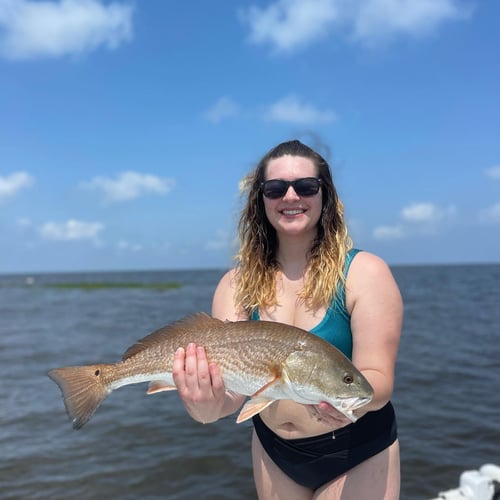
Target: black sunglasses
(277, 188)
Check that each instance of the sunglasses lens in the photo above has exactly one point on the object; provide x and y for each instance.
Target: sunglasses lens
(306, 187)
(275, 188)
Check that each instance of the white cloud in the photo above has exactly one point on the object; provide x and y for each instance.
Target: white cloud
(291, 110)
(377, 20)
(71, 230)
(129, 185)
(220, 241)
(493, 172)
(13, 183)
(225, 107)
(388, 232)
(491, 214)
(426, 212)
(125, 246)
(23, 222)
(35, 29)
(289, 24)
(422, 218)
(418, 212)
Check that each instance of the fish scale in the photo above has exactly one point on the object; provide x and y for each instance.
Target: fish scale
(261, 359)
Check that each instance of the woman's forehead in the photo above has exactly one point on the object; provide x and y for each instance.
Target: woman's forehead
(289, 166)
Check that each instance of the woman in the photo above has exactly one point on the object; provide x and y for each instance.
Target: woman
(296, 266)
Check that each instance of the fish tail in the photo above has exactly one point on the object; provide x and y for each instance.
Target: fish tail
(83, 391)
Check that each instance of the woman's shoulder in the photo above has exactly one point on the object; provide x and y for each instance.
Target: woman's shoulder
(369, 271)
(228, 280)
(367, 262)
(223, 304)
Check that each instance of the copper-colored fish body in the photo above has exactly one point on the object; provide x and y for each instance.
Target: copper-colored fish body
(264, 360)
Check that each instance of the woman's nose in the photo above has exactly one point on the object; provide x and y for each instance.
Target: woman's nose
(291, 194)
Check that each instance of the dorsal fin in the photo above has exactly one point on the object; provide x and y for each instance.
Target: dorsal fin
(193, 322)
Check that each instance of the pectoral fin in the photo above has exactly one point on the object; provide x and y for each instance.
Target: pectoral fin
(257, 401)
(252, 407)
(264, 388)
(160, 386)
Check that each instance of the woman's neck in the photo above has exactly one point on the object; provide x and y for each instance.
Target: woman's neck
(292, 256)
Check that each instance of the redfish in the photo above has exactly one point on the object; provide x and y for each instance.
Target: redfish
(265, 360)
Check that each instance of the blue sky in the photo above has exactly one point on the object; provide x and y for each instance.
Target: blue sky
(125, 127)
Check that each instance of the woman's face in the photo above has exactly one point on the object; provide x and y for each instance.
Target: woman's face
(293, 215)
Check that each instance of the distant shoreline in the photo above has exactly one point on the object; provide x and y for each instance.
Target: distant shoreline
(103, 285)
(31, 282)
(6, 274)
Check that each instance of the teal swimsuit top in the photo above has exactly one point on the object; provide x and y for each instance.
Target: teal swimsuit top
(335, 327)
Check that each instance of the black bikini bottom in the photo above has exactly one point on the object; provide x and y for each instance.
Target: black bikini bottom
(317, 460)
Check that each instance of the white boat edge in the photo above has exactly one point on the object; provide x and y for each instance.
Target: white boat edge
(482, 484)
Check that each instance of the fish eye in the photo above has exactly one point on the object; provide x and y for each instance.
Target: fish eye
(97, 373)
(348, 379)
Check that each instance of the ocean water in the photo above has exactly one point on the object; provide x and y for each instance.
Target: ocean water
(447, 395)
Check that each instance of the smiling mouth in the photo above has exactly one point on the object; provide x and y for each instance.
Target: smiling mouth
(293, 212)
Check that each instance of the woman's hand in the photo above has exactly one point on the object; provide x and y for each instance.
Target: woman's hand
(328, 415)
(199, 383)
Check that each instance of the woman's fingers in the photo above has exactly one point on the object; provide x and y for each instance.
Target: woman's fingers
(192, 374)
(217, 382)
(199, 383)
(191, 366)
(324, 412)
(178, 371)
(204, 378)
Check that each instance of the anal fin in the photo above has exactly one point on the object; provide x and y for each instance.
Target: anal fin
(160, 386)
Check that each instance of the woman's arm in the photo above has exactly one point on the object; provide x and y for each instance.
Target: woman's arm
(374, 302)
(199, 382)
(376, 308)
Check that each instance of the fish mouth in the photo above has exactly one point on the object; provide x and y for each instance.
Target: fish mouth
(349, 404)
(346, 406)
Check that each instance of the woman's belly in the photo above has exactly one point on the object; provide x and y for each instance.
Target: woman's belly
(292, 420)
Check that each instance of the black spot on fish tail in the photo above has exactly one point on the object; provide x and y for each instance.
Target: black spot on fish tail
(82, 391)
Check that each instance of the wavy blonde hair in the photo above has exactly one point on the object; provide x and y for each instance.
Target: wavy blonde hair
(257, 266)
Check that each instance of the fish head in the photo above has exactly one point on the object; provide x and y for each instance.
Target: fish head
(326, 375)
